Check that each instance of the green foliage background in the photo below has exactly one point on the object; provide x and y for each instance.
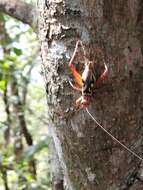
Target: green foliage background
(19, 62)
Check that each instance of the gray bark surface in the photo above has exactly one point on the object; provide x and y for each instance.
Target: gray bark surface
(90, 159)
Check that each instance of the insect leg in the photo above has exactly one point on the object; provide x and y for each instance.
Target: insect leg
(103, 75)
(75, 87)
(76, 75)
(78, 102)
(84, 54)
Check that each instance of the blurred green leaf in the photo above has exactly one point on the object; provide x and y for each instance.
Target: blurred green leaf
(17, 51)
(1, 17)
(2, 85)
(6, 66)
(10, 58)
(1, 61)
(1, 75)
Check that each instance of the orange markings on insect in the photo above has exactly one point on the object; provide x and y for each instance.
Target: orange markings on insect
(89, 80)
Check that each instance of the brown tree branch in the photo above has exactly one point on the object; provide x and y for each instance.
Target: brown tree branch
(20, 10)
(18, 109)
(7, 110)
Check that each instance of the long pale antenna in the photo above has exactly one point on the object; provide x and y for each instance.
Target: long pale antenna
(125, 147)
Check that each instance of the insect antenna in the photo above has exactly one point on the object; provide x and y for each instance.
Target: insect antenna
(115, 139)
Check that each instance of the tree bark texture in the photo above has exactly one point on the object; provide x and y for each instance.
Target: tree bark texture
(55, 169)
(91, 160)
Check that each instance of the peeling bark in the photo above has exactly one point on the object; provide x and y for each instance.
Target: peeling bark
(90, 159)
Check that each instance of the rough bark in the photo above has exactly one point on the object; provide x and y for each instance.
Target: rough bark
(20, 10)
(91, 159)
(55, 169)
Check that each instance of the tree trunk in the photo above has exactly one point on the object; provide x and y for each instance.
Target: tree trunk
(91, 159)
(55, 169)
